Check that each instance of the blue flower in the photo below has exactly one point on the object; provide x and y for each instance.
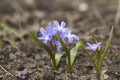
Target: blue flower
(94, 46)
(60, 28)
(58, 45)
(46, 35)
(71, 37)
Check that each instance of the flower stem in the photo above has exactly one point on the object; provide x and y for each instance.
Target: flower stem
(98, 75)
(69, 63)
(94, 64)
(54, 64)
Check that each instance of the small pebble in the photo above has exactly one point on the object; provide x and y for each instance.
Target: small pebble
(12, 56)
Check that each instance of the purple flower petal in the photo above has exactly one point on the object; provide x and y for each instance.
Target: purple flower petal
(71, 37)
(58, 45)
(63, 24)
(46, 35)
(56, 23)
(94, 46)
(59, 27)
(43, 31)
(22, 74)
(25, 71)
(75, 37)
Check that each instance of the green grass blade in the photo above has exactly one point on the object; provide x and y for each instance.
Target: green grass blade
(95, 39)
(106, 48)
(7, 29)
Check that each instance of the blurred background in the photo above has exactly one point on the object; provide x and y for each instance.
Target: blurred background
(83, 16)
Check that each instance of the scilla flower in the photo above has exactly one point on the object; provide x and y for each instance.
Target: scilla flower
(59, 28)
(94, 46)
(46, 35)
(71, 36)
(63, 32)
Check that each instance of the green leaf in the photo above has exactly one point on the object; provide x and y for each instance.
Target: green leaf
(58, 57)
(73, 52)
(39, 42)
(108, 43)
(81, 44)
(106, 48)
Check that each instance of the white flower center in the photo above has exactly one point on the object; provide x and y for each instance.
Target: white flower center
(60, 28)
(47, 37)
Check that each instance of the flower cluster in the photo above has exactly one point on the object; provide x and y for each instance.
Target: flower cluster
(60, 29)
(55, 38)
